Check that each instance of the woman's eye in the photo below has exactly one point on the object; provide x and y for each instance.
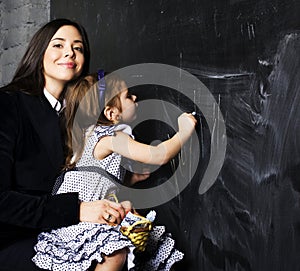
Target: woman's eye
(79, 49)
(57, 46)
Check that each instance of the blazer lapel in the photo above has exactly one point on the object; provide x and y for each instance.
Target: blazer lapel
(46, 123)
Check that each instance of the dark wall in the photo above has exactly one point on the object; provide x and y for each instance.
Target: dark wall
(248, 55)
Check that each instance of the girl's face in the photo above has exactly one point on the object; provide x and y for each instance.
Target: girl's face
(63, 58)
(128, 105)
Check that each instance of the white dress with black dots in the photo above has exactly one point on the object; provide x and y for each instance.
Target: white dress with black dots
(76, 247)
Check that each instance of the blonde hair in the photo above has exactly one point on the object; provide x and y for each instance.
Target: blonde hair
(83, 110)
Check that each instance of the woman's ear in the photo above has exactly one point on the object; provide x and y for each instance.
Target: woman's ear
(112, 113)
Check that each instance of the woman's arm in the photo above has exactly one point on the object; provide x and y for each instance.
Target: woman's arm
(25, 199)
(156, 155)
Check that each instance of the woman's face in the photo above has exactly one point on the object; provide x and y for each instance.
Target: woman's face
(63, 58)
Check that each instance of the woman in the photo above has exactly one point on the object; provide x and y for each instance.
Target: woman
(31, 146)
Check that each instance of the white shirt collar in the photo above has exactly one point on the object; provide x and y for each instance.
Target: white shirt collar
(52, 100)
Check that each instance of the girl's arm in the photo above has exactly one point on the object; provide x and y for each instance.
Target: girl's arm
(155, 155)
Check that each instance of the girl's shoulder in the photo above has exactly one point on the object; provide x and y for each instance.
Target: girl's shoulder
(100, 131)
(125, 128)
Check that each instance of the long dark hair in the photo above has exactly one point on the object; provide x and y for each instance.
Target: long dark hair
(29, 75)
(83, 110)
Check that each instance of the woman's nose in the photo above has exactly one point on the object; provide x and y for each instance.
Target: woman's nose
(134, 98)
(69, 52)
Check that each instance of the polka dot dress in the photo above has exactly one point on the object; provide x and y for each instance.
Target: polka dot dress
(77, 246)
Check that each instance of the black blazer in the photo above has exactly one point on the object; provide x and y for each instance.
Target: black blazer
(31, 156)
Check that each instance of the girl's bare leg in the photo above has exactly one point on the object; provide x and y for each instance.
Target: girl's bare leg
(114, 262)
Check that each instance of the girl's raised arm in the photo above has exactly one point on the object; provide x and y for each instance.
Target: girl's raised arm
(155, 155)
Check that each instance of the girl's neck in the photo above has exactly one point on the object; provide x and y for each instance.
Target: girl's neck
(108, 124)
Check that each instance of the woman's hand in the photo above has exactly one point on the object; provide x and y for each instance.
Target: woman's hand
(102, 211)
(127, 206)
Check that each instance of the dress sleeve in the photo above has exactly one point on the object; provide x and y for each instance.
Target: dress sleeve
(101, 131)
(125, 128)
(17, 207)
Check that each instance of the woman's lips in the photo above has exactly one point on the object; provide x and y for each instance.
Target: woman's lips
(68, 65)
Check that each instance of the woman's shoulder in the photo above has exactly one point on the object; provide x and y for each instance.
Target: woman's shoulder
(8, 95)
(12, 92)
(10, 105)
(18, 98)
(10, 89)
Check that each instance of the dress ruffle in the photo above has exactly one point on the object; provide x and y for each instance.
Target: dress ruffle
(160, 253)
(76, 247)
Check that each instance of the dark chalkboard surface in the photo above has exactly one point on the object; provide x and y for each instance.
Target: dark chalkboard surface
(247, 53)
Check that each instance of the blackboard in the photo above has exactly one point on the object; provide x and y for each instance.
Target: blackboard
(247, 53)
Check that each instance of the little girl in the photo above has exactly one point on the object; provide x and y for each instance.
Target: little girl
(79, 246)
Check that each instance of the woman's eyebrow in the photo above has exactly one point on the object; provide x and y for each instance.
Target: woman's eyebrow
(62, 39)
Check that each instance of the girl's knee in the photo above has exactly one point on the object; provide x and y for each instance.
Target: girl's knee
(120, 256)
(115, 261)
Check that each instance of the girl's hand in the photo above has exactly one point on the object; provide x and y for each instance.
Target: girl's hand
(102, 211)
(186, 125)
(139, 177)
(133, 178)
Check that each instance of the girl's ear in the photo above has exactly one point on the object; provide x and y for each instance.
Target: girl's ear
(112, 114)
